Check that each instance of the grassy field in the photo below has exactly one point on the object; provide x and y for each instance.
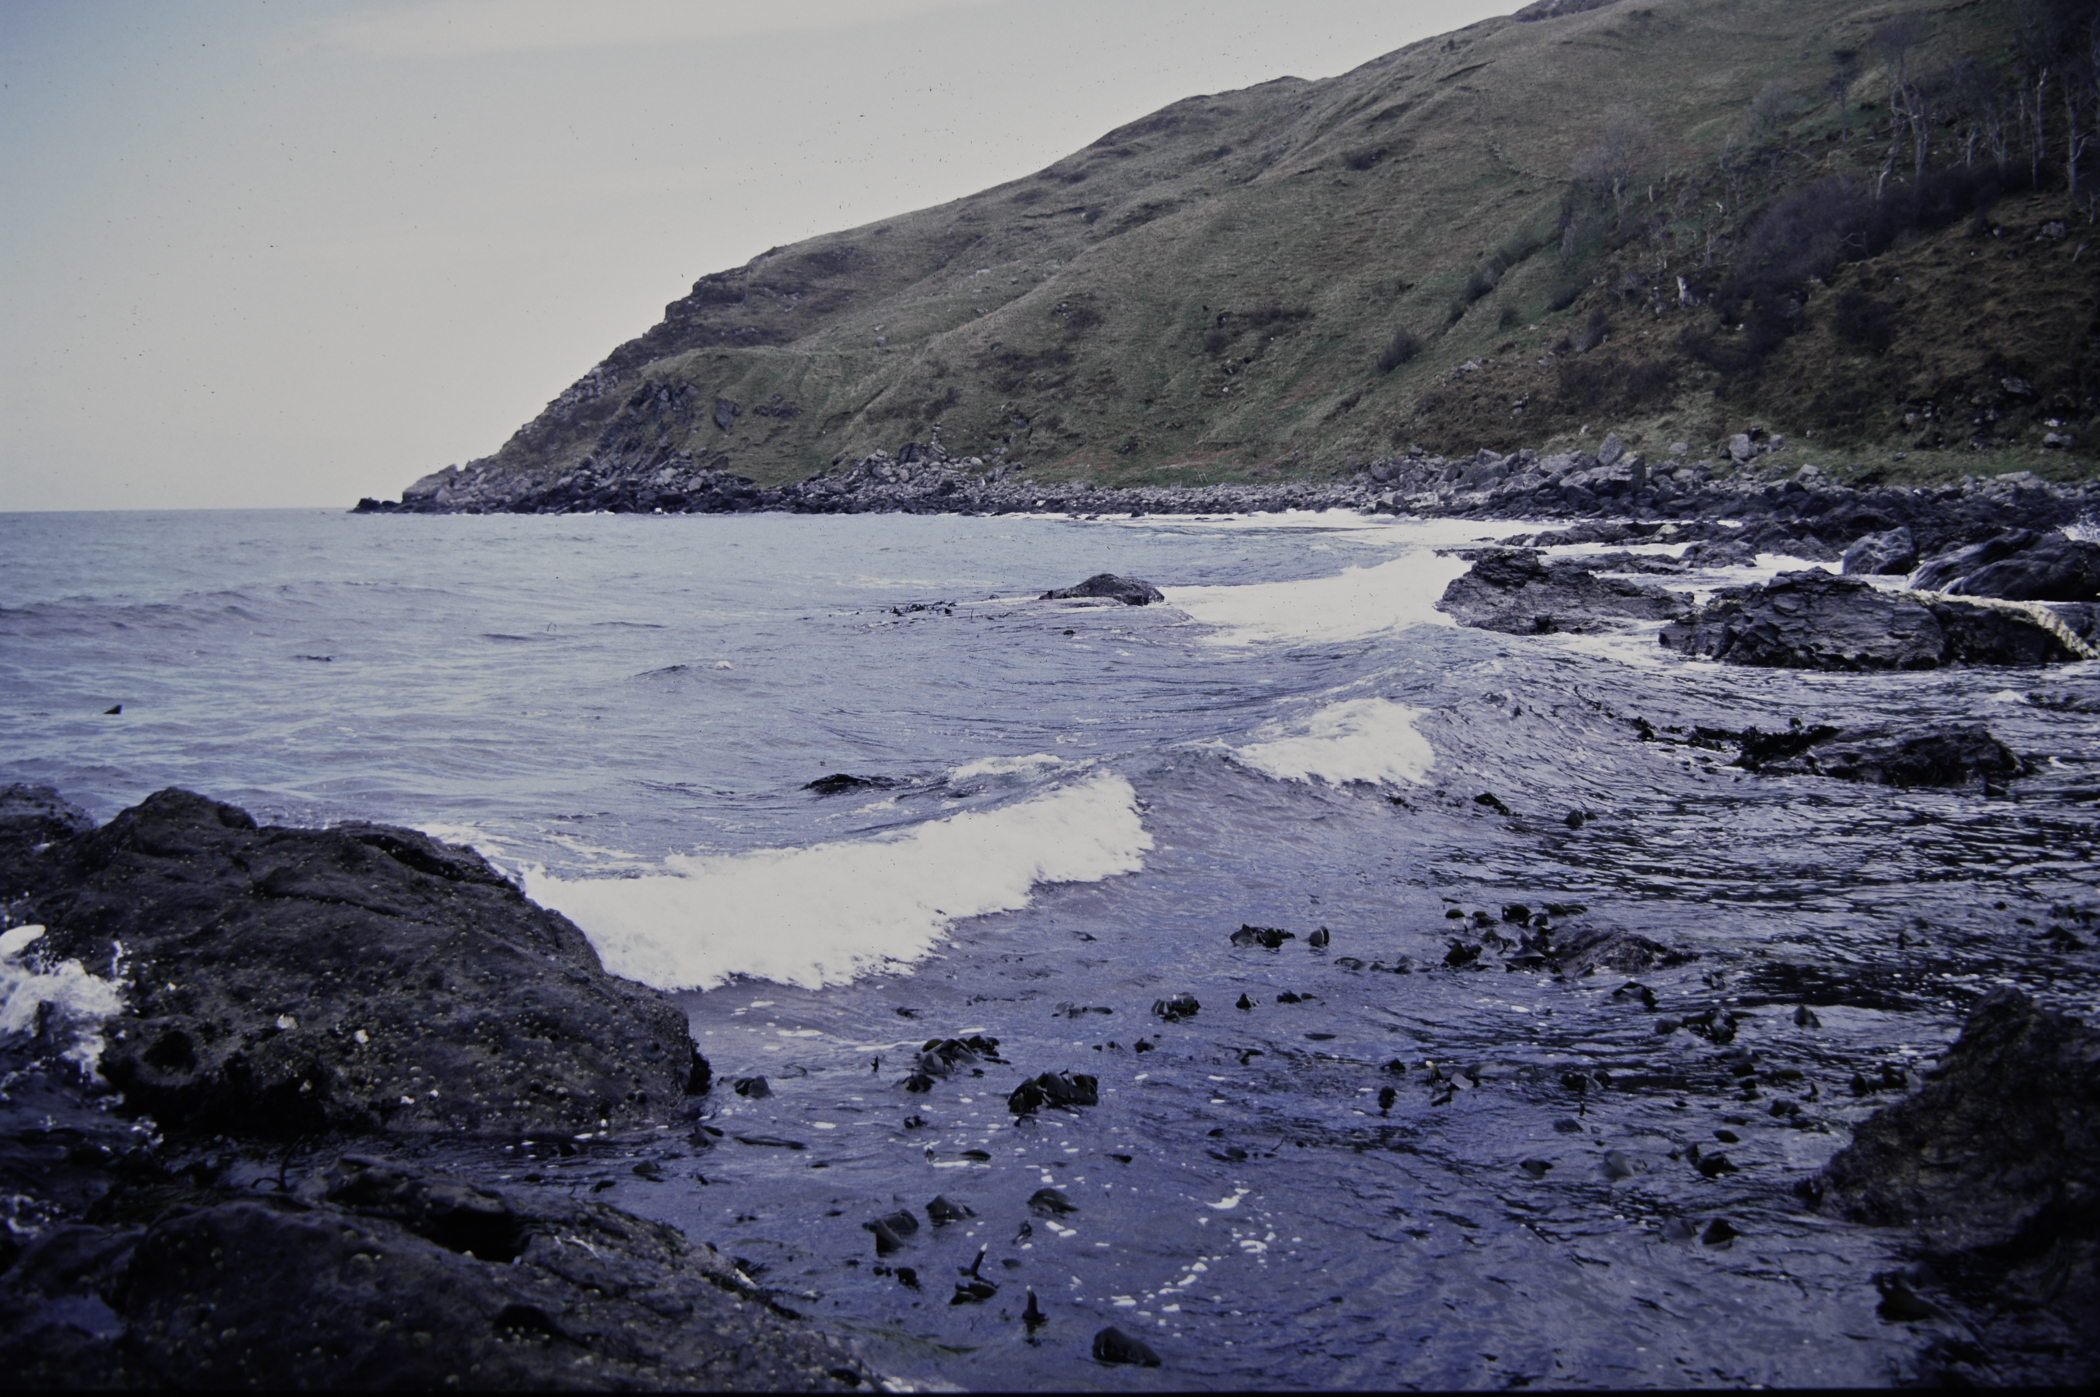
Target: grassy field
(1205, 294)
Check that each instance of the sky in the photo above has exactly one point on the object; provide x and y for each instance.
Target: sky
(256, 254)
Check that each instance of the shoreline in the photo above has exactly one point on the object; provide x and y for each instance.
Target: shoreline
(1772, 500)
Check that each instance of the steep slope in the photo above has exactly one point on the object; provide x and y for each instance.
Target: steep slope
(1220, 289)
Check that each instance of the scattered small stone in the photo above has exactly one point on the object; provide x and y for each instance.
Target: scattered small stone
(944, 1209)
(1180, 1006)
(1319, 938)
(753, 1087)
(1047, 1201)
(1266, 937)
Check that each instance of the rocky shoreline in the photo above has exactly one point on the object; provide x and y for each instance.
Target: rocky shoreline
(1769, 504)
(280, 1176)
(160, 1237)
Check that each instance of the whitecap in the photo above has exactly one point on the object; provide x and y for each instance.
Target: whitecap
(1354, 604)
(1371, 739)
(823, 914)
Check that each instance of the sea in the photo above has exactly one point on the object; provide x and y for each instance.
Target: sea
(1394, 1151)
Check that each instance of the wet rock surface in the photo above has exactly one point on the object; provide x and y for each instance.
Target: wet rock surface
(198, 1269)
(281, 982)
(2018, 565)
(1106, 586)
(1814, 620)
(1517, 592)
(360, 978)
(1952, 755)
(1994, 1161)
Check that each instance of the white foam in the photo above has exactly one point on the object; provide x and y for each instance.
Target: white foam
(821, 915)
(1356, 603)
(1035, 764)
(83, 1000)
(1358, 740)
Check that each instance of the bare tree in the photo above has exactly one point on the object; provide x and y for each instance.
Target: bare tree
(1895, 43)
(1844, 71)
(1621, 158)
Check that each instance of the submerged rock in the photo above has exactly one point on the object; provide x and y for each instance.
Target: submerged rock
(1516, 592)
(1586, 951)
(1814, 620)
(288, 981)
(839, 782)
(1131, 591)
(1948, 755)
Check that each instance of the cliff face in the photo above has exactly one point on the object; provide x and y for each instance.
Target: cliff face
(1304, 276)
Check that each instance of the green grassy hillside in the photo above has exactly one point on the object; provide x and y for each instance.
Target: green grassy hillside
(1476, 240)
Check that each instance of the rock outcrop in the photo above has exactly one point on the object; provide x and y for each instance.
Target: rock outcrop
(287, 988)
(289, 981)
(373, 1274)
(1106, 586)
(1814, 620)
(1995, 1159)
(1515, 591)
(2020, 565)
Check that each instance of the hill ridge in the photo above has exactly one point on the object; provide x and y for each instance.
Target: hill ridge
(1302, 276)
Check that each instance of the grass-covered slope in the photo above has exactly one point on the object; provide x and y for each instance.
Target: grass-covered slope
(1476, 240)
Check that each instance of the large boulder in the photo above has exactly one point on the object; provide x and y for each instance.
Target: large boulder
(1946, 569)
(1515, 591)
(2052, 567)
(1890, 552)
(1997, 1155)
(289, 981)
(1131, 591)
(1815, 620)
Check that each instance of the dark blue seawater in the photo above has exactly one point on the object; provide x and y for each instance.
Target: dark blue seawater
(1078, 804)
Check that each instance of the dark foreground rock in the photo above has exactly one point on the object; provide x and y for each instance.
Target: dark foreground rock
(1948, 755)
(315, 984)
(289, 981)
(372, 1274)
(1515, 591)
(1996, 1160)
(1131, 591)
(1814, 620)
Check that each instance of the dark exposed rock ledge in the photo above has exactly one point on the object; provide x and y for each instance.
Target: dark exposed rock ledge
(305, 994)
(1800, 512)
(359, 978)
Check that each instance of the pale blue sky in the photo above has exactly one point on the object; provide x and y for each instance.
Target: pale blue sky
(281, 254)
